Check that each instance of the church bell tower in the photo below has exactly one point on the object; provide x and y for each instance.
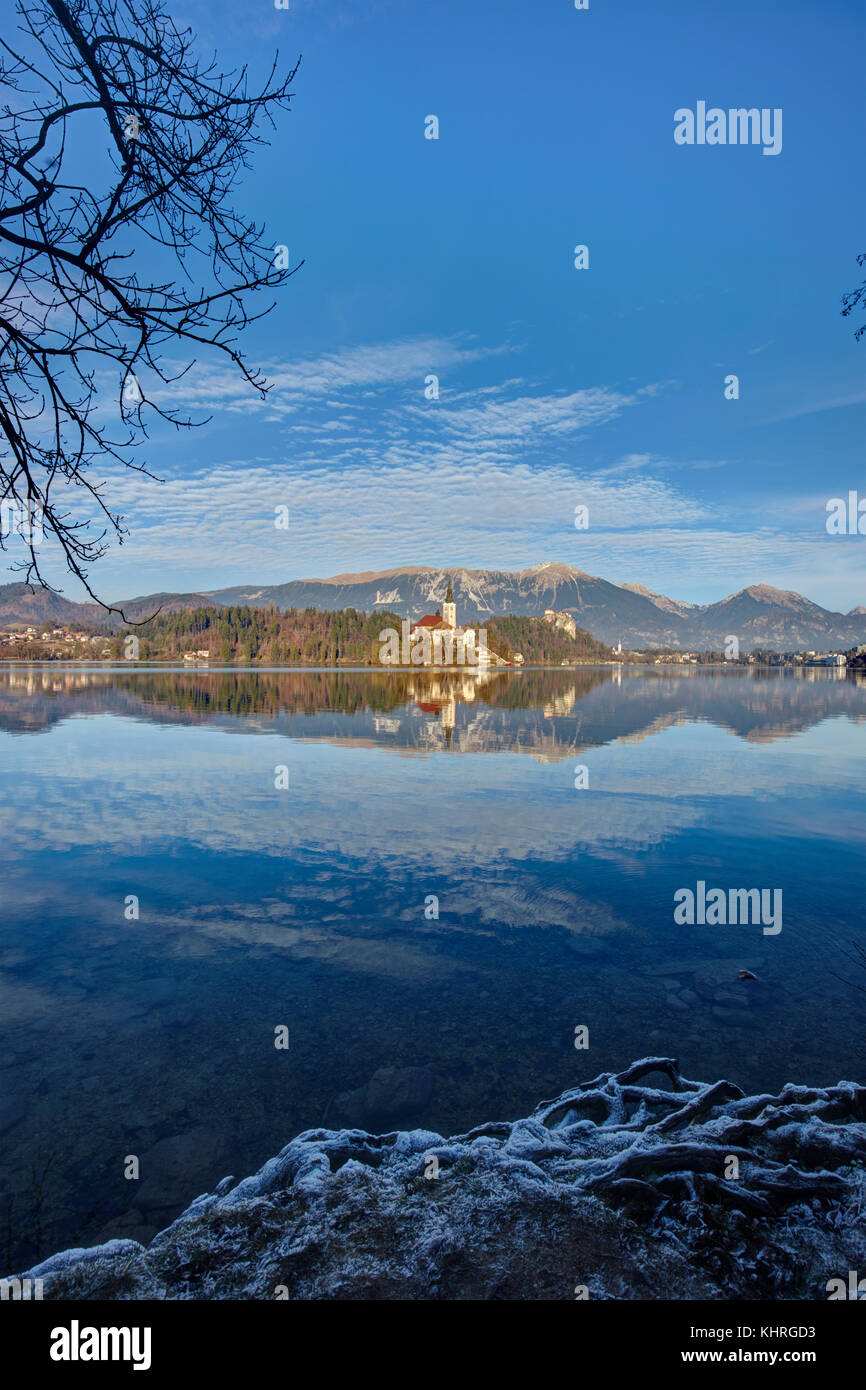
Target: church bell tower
(449, 609)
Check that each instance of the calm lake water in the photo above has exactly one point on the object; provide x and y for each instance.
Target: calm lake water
(305, 907)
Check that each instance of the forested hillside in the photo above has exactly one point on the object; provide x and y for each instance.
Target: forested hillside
(311, 637)
(540, 643)
(306, 636)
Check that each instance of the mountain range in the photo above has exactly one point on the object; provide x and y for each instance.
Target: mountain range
(631, 613)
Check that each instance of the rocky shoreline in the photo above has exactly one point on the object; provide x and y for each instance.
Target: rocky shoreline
(639, 1184)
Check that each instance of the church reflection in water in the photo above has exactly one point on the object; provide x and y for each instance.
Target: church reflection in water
(551, 712)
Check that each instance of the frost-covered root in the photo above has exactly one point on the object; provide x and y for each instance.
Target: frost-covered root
(639, 1184)
(761, 1153)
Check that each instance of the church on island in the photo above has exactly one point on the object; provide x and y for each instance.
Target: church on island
(436, 640)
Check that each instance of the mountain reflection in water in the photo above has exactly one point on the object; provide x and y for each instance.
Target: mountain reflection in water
(465, 711)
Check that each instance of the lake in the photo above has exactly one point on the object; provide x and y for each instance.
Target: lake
(447, 873)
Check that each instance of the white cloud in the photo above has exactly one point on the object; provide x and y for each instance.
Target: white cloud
(316, 380)
(526, 416)
(489, 475)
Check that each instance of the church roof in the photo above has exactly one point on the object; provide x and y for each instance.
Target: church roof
(431, 620)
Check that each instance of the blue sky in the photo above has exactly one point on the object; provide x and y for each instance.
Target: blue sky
(558, 387)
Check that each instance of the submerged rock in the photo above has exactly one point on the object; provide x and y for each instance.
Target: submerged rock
(170, 1168)
(637, 1185)
(392, 1096)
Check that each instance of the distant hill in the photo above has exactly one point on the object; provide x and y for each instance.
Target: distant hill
(759, 616)
(776, 618)
(136, 610)
(21, 606)
(667, 605)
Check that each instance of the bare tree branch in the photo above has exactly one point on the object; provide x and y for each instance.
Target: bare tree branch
(145, 264)
(854, 298)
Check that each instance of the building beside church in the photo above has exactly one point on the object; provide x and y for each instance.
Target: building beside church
(561, 618)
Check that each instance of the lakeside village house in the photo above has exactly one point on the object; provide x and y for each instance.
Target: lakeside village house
(436, 640)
